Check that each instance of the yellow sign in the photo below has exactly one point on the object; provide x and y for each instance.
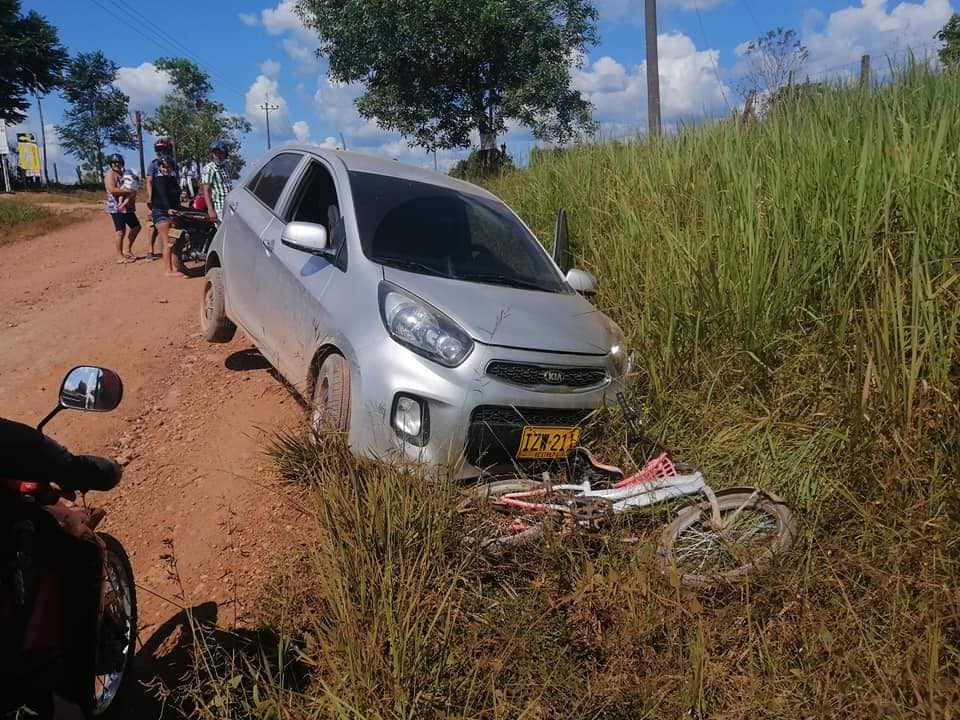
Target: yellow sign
(29, 157)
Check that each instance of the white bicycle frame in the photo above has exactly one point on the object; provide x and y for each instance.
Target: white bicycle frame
(640, 494)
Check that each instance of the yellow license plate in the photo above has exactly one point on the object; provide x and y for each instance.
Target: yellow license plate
(547, 443)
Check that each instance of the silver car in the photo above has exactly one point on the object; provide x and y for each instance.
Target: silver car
(415, 313)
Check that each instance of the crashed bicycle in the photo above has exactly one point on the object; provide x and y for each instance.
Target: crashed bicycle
(723, 537)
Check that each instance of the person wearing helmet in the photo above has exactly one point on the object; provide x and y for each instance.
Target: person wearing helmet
(163, 147)
(124, 215)
(216, 181)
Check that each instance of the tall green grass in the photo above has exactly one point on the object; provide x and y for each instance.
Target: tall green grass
(792, 290)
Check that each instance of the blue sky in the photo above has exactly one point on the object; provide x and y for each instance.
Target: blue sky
(255, 48)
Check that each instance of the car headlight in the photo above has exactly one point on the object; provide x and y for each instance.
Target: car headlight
(422, 328)
(619, 353)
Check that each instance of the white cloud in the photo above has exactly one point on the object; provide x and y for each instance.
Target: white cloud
(334, 102)
(689, 87)
(633, 10)
(248, 19)
(300, 42)
(301, 130)
(869, 28)
(267, 90)
(270, 68)
(146, 85)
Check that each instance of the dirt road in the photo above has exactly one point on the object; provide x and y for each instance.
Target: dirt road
(198, 510)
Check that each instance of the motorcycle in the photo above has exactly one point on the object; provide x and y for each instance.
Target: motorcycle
(68, 605)
(192, 234)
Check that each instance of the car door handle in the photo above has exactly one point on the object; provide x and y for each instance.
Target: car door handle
(232, 206)
(268, 244)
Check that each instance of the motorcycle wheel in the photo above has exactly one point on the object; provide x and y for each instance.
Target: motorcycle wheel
(183, 258)
(117, 632)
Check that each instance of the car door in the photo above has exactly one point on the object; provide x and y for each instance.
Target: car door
(293, 283)
(251, 214)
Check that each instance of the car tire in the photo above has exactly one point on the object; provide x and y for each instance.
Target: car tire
(330, 404)
(214, 323)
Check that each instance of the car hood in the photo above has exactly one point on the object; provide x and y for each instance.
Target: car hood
(513, 317)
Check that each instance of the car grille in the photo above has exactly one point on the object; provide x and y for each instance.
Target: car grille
(543, 375)
(493, 437)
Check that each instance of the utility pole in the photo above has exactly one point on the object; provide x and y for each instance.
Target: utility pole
(138, 121)
(653, 69)
(267, 109)
(43, 137)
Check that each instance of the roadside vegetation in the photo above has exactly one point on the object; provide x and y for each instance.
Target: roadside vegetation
(24, 215)
(792, 290)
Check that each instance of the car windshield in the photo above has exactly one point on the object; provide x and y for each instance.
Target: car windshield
(435, 230)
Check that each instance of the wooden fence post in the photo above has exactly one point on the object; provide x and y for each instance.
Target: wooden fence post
(865, 72)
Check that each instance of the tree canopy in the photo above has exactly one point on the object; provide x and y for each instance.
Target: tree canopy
(96, 115)
(31, 59)
(192, 119)
(435, 70)
(949, 35)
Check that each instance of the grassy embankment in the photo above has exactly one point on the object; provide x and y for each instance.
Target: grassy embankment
(29, 214)
(793, 291)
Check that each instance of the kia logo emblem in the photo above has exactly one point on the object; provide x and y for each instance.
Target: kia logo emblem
(554, 377)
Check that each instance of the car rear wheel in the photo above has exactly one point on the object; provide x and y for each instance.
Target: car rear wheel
(214, 323)
(330, 405)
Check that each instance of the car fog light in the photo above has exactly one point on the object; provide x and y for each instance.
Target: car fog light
(411, 419)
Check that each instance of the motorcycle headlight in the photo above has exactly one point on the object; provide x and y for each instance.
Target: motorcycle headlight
(422, 328)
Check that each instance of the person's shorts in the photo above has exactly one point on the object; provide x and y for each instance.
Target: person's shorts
(159, 216)
(125, 219)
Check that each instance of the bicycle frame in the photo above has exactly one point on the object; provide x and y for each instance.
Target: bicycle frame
(627, 495)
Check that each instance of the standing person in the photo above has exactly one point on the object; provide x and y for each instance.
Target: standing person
(166, 201)
(124, 216)
(164, 149)
(216, 182)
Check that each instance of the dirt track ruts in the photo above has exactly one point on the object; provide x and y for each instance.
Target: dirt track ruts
(197, 488)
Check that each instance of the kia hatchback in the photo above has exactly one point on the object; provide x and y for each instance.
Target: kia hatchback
(415, 313)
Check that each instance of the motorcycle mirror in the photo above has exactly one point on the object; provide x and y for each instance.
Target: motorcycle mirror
(90, 388)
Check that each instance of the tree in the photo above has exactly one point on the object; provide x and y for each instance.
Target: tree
(435, 70)
(772, 59)
(31, 59)
(949, 35)
(97, 112)
(192, 119)
(477, 166)
(192, 82)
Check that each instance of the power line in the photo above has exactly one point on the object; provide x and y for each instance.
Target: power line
(713, 59)
(125, 16)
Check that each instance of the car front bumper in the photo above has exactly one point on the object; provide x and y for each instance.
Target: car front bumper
(475, 419)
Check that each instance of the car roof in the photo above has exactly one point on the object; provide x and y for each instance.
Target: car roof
(379, 165)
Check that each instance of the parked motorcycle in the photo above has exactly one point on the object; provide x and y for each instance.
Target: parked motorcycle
(192, 233)
(68, 607)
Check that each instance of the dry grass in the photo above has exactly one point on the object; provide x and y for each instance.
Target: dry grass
(22, 219)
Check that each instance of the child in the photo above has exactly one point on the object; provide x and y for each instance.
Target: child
(129, 181)
(166, 199)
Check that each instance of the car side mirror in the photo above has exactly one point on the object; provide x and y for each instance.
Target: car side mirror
(306, 237)
(94, 389)
(582, 281)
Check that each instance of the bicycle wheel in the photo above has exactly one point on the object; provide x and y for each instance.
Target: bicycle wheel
(500, 527)
(754, 527)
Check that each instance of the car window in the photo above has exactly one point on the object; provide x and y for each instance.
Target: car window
(316, 201)
(440, 230)
(268, 184)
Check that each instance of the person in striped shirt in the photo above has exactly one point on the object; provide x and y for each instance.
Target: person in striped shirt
(216, 182)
